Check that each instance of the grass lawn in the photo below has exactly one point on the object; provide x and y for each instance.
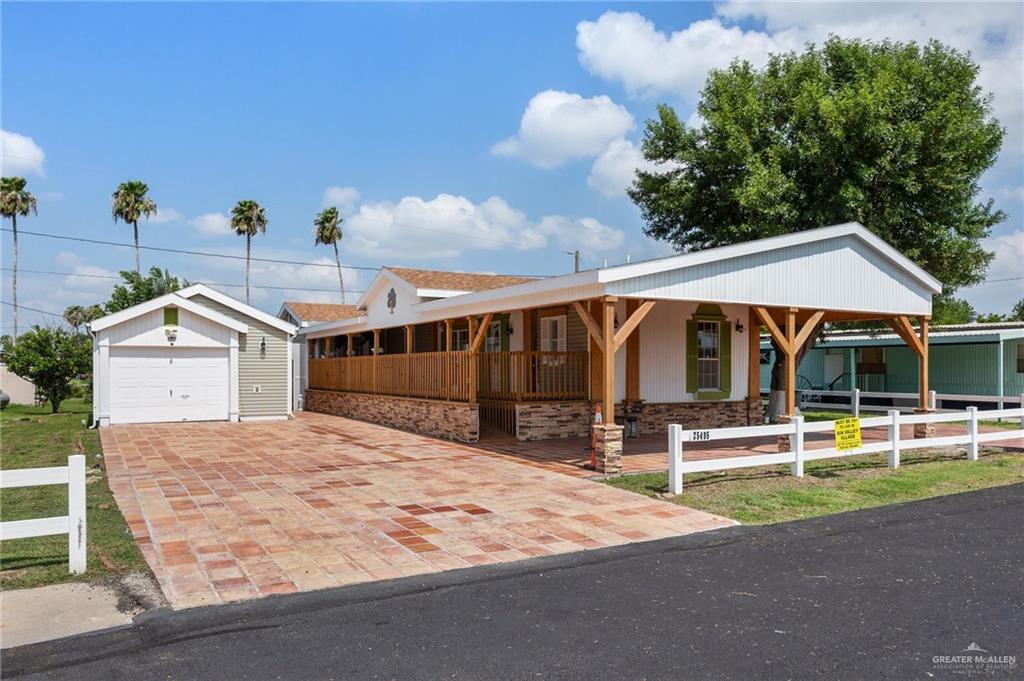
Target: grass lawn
(822, 415)
(32, 437)
(770, 494)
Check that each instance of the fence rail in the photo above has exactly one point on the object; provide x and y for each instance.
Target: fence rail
(799, 454)
(852, 400)
(72, 524)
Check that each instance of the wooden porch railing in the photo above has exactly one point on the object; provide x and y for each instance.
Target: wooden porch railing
(512, 376)
(527, 376)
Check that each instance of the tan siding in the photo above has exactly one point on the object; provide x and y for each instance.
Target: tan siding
(268, 370)
(576, 339)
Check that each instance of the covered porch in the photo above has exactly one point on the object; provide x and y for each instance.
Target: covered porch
(587, 355)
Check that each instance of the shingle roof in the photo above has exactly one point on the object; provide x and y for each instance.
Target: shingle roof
(457, 281)
(322, 312)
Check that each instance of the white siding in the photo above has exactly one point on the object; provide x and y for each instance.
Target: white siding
(148, 330)
(836, 274)
(663, 353)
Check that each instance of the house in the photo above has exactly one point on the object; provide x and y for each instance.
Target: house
(193, 355)
(302, 315)
(668, 340)
(20, 390)
(981, 359)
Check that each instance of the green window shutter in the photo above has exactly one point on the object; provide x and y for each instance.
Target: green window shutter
(170, 316)
(725, 353)
(691, 355)
(503, 332)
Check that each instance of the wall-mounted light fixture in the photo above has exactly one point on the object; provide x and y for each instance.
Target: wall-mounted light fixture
(739, 326)
(263, 346)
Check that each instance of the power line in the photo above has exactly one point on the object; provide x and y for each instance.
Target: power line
(181, 251)
(208, 283)
(32, 309)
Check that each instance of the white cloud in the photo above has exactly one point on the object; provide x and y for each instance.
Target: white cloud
(447, 226)
(560, 126)
(85, 276)
(20, 155)
(165, 215)
(1013, 193)
(614, 170)
(627, 48)
(344, 198)
(212, 225)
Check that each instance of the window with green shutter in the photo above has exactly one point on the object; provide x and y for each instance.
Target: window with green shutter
(709, 354)
(170, 316)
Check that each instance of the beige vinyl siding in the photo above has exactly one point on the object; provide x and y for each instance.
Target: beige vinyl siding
(576, 338)
(268, 370)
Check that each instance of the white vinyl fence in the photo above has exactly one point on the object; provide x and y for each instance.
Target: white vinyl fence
(72, 524)
(798, 428)
(851, 400)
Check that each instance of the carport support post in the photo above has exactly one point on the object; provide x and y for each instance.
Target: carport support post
(925, 404)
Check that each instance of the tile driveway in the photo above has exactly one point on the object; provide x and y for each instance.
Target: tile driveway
(226, 512)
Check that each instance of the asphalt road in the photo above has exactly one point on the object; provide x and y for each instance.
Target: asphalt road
(868, 595)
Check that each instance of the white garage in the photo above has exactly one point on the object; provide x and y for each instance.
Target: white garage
(177, 358)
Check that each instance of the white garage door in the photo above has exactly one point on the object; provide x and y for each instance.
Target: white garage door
(149, 385)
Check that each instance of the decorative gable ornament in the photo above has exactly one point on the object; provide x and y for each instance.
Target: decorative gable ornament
(392, 300)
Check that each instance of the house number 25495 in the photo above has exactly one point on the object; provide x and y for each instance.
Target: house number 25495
(697, 435)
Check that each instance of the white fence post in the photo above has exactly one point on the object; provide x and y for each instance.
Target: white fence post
(894, 438)
(972, 431)
(798, 446)
(1021, 405)
(932, 401)
(76, 513)
(675, 458)
(855, 402)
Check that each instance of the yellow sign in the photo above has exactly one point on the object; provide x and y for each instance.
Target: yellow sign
(847, 433)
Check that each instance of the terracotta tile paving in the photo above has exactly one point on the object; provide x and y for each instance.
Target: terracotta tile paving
(226, 512)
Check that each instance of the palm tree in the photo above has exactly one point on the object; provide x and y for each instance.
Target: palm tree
(131, 203)
(248, 218)
(327, 230)
(15, 200)
(74, 315)
(92, 313)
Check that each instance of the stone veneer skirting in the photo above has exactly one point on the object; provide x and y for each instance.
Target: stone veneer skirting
(450, 420)
(655, 417)
(552, 420)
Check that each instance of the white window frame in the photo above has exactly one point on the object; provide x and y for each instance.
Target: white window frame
(552, 333)
(460, 339)
(492, 341)
(717, 359)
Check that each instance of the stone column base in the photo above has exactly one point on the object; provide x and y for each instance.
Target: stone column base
(923, 431)
(755, 411)
(784, 443)
(608, 446)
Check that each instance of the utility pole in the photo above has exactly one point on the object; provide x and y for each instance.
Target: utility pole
(576, 255)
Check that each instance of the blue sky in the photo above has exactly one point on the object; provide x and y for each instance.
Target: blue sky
(482, 137)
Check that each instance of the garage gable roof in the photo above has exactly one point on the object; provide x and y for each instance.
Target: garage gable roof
(234, 304)
(168, 300)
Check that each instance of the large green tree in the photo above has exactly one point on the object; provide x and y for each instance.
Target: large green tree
(50, 358)
(327, 231)
(892, 135)
(131, 202)
(248, 219)
(15, 200)
(137, 289)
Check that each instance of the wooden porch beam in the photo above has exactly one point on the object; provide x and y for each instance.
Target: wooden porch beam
(481, 333)
(773, 329)
(630, 324)
(593, 329)
(905, 330)
(806, 329)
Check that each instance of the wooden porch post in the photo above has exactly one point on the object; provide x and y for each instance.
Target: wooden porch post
(608, 360)
(472, 360)
(376, 351)
(448, 335)
(791, 362)
(596, 355)
(410, 336)
(633, 355)
(526, 366)
(754, 357)
(351, 347)
(922, 365)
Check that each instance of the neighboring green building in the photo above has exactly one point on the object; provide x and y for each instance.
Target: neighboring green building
(966, 359)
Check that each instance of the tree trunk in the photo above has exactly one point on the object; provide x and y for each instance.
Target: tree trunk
(14, 275)
(54, 403)
(248, 254)
(777, 393)
(341, 281)
(138, 261)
